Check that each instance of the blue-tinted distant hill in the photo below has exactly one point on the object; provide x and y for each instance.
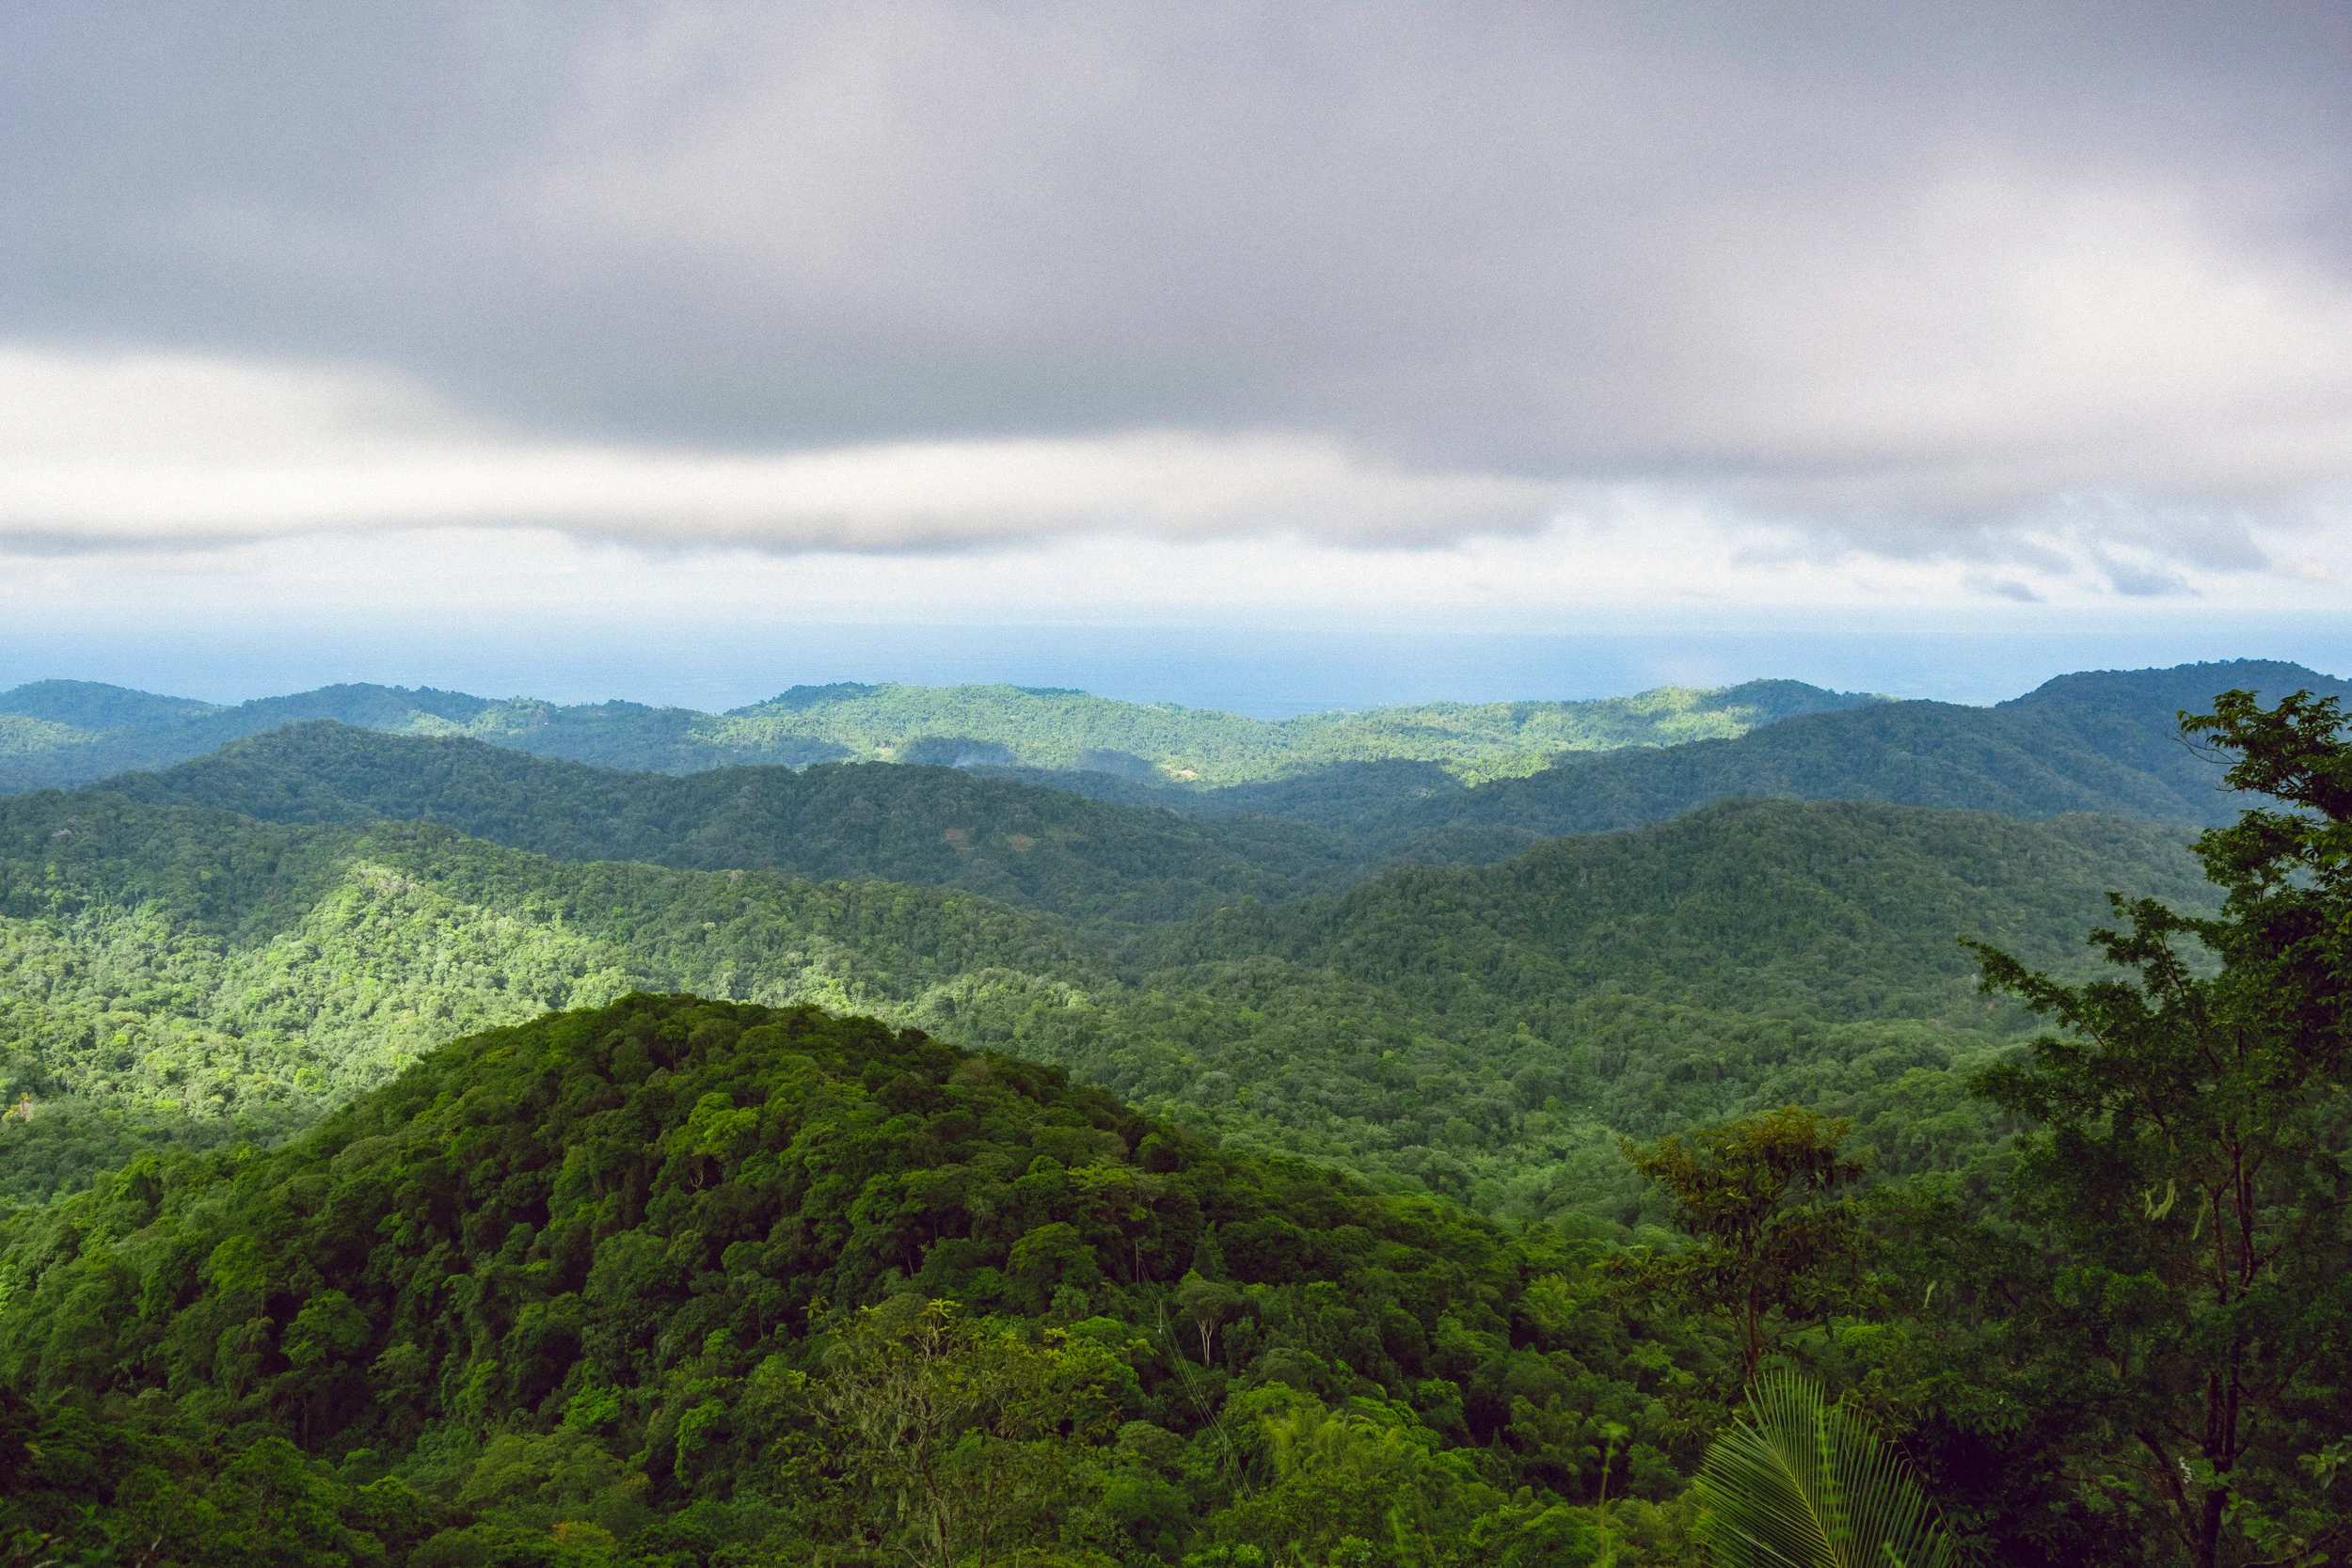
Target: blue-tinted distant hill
(64, 733)
(2104, 741)
(2100, 741)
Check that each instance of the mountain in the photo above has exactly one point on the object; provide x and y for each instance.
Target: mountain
(91, 706)
(937, 826)
(677, 1282)
(1006, 725)
(172, 973)
(1345, 797)
(1485, 1032)
(63, 732)
(2107, 741)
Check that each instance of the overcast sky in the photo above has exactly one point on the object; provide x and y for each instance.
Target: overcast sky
(990, 308)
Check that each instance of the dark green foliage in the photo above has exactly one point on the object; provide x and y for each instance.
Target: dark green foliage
(1769, 1240)
(1083, 860)
(2196, 1123)
(603, 1270)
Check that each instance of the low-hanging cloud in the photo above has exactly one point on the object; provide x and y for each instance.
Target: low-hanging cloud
(130, 452)
(2020, 287)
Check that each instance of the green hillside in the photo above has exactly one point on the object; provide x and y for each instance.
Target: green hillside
(1071, 730)
(169, 974)
(80, 731)
(2107, 741)
(1042, 848)
(594, 1286)
(172, 972)
(1484, 1031)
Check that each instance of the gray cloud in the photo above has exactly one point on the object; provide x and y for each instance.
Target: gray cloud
(1915, 277)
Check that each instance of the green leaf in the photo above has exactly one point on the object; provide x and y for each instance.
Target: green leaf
(1797, 1483)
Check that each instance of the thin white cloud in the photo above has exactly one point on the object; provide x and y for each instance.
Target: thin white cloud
(163, 455)
(176, 451)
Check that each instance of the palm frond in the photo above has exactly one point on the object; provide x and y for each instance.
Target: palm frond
(1799, 1483)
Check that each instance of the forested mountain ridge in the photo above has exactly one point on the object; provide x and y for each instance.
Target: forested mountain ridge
(1072, 730)
(2104, 741)
(168, 973)
(196, 973)
(1736, 900)
(699, 1283)
(1042, 848)
(63, 732)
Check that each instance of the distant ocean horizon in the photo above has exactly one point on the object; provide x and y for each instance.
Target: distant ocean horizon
(1264, 672)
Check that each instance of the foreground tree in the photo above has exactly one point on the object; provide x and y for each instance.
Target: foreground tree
(2192, 1168)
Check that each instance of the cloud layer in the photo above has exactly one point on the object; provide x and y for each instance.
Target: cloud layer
(2033, 293)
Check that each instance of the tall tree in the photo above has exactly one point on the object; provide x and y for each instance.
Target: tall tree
(1768, 1239)
(2190, 1169)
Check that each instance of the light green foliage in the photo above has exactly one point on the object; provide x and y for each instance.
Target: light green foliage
(21, 737)
(1073, 730)
(269, 973)
(1480, 1031)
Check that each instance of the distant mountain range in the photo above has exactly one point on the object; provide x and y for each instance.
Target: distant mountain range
(1093, 846)
(236, 941)
(2098, 741)
(1439, 781)
(65, 733)
(1083, 860)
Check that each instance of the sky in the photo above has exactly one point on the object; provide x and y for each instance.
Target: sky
(380, 330)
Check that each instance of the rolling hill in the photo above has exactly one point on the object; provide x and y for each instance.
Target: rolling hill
(2104, 741)
(64, 733)
(174, 971)
(632, 1286)
(1083, 860)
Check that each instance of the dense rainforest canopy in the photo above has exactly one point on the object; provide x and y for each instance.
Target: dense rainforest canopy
(1445, 1216)
(169, 971)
